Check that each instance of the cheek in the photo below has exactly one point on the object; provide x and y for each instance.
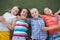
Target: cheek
(16, 13)
(36, 14)
(20, 13)
(26, 14)
(13, 11)
(46, 12)
(32, 15)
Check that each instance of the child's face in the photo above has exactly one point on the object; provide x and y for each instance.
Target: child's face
(15, 10)
(24, 12)
(34, 13)
(47, 11)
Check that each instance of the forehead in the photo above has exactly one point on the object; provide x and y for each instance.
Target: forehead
(34, 10)
(15, 7)
(46, 9)
(24, 9)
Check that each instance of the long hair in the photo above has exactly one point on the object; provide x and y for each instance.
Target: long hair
(9, 10)
(19, 10)
(29, 15)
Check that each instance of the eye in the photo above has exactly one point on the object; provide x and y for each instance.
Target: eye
(23, 11)
(32, 13)
(13, 9)
(35, 12)
(26, 12)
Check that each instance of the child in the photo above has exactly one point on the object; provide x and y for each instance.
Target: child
(37, 23)
(51, 22)
(21, 26)
(8, 16)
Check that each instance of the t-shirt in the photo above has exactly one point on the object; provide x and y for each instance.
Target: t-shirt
(8, 17)
(20, 28)
(51, 21)
(36, 25)
(58, 16)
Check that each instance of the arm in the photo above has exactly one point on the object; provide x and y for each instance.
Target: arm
(51, 28)
(9, 25)
(59, 24)
(0, 18)
(23, 18)
(57, 12)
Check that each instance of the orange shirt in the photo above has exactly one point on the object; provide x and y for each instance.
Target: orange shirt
(51, 21)
(58, 17)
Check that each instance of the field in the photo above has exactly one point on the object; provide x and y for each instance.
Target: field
(40, 4)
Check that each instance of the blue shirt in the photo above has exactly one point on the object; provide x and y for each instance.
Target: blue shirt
(36, 25)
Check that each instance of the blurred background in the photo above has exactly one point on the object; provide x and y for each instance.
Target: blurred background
(40, 4)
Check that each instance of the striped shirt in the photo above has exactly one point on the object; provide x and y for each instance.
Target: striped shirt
(20, 28)
(36, 25)
(51, 21)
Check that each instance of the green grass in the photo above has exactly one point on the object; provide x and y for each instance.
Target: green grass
(40, 4)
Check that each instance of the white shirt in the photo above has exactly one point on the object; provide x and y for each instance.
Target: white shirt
(8, 17)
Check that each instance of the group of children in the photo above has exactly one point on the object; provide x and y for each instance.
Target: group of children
(18, 20)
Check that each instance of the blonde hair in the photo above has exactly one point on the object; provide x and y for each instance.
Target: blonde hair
(34, 9)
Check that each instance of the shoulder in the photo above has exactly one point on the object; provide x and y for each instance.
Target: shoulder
(7, 13)
(44, 16)
(41, 18)
(30, 19)
(14, 19)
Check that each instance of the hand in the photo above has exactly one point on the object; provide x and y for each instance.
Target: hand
(2, 19)
(21, 17)
(45, 28)
(18, 17)
(24, 18)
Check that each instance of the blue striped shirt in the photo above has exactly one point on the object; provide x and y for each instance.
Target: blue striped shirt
(20, 28)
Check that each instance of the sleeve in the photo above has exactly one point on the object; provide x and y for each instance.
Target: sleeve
(58, 16)
(6, 14)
